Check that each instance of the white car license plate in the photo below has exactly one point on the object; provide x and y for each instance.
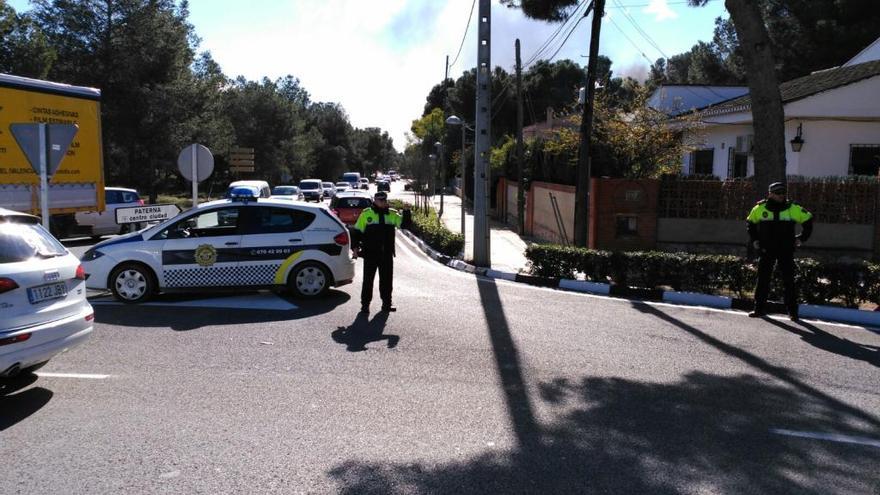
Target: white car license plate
(45, 292)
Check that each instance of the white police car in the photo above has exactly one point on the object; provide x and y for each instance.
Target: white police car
(237, 242)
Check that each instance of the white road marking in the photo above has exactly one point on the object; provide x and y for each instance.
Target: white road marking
(87, 376)
(831, 437)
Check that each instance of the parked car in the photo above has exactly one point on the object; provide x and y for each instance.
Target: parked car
(96, 224)
(383, 185)
(261, 185)
(312, 189)
(342, 187)
(353, 178)
(240, 242)
(290, 193)
(42, 296)
(347, 206)
(329, 189)
(393, 175)
(364, 183)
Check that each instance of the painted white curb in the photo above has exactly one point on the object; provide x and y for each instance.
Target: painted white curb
(697, 299)
(502, 275)
(584, 286)
(846, 315)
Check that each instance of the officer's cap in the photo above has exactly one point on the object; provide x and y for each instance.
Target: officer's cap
(381, 195)
(777, 188)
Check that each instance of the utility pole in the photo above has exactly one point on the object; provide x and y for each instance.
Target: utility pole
(582, 191)
(482, 138)
(521, 192)
(440, 159)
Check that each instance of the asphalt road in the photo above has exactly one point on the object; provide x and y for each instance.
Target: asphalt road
(472, 386)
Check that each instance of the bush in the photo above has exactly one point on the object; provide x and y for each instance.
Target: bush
(847, 284)
(429, 228)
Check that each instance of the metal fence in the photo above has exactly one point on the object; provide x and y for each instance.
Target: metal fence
(837, 201)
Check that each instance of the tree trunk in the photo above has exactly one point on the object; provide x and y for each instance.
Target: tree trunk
(767, 113)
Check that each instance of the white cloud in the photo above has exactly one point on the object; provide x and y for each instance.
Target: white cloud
(660, 10)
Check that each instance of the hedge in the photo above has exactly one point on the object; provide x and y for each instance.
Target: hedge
(845, 283)
(430, 229)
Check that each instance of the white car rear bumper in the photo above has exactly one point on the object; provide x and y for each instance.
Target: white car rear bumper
(46, 340)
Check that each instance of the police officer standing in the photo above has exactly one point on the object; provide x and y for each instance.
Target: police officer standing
(373, 239)
(771, 225)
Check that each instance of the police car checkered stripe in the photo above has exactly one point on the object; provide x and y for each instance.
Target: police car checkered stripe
(221, 276)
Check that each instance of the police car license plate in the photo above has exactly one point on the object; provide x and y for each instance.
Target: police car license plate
(45, 292)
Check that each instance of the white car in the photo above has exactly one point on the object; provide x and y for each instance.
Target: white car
(342, 187)
(42, 296)
(232, 243)
(329, 189)
(97, 224)
(261, 185)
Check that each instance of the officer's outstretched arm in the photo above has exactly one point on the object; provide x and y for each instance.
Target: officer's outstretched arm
(806, 230)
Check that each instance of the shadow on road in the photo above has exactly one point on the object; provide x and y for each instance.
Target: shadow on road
(821, 339)
(16, 407)
(705, 432)
(181, 318)
(362, 331)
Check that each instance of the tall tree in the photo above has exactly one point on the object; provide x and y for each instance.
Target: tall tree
(24, 49)
(767, 113)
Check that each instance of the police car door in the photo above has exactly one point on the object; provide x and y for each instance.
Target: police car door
(201, 250)
(272, 243)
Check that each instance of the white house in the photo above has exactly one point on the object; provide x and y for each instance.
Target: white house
(834, 114)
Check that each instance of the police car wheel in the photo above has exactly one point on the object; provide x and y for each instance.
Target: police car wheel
(309, 280)
(132, 283)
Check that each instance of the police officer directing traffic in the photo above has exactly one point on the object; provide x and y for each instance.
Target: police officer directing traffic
(373, 239)
(771, 225)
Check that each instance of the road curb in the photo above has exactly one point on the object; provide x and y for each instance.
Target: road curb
(818, 312)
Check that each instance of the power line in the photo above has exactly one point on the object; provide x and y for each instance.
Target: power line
(633, 43)
(566, 38)
(464, 36)
(555, 34)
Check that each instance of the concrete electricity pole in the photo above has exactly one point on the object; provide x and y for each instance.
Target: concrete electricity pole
(582, 191)
(520, 193)
(482, 138)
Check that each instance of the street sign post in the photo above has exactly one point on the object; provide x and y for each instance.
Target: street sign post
(147, 213)
(195, 163)
(241, 160)
(44, 146)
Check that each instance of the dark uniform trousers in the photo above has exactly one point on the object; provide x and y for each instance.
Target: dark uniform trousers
(785, 262)
(384, 263)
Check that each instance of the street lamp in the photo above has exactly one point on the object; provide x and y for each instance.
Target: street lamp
(432, 181)
(454, 120)
(798, 142)
(439, 146)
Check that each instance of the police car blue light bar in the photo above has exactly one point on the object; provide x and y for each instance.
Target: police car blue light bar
(244, 193)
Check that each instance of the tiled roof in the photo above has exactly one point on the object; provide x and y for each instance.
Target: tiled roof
(803, 87)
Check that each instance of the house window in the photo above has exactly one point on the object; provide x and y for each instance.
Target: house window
(737, 163)
(864, 159)
(701, 161)
(627, 226)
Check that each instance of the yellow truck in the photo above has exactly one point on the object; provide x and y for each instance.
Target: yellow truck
(78, 184)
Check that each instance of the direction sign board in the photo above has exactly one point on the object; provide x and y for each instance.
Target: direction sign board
(58, 139)
(147, 213)
(204, 162)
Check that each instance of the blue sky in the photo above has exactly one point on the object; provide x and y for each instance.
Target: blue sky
(379, 58)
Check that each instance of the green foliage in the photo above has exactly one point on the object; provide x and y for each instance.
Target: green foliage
(158, 96)
(844, 283)
(430, 229)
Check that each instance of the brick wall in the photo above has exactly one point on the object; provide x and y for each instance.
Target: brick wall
(623, 214)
